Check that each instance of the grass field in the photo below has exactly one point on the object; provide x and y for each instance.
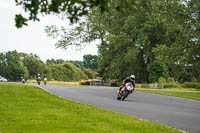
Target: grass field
(28, 109)
(188, 93)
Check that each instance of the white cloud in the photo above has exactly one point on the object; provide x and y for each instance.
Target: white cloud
(7, 4)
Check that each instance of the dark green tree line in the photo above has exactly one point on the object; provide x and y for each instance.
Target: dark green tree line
(14, 65)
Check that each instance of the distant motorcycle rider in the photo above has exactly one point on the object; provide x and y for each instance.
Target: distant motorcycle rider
(23, 80)
(130, 79)
(38, 79)
(45, 79)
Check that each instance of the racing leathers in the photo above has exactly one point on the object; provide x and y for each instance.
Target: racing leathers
(127, 80)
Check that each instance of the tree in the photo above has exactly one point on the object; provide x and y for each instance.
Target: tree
(50, 61)
(34, 65)
(88, 30)
(180, 55)
(91, 74)
(53, 61)
(74, 9)
(78, 64)
(90, 61)
(152, 39)
(194, 38)
(3, 64)
(67, 72)
(12, 67)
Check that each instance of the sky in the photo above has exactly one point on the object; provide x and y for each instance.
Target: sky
(32, 38)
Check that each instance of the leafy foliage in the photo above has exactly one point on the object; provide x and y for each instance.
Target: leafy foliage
(191, 85)
(67, 72)
(78, 64)
(11, 67)
(152, 39)
(53, 61)
(74, 9)
(34, 65)
(90, 61)
(171, 85)
(14, 65)
(91, 74)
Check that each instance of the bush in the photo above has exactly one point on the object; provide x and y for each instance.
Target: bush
(67, 72)
(153, 86)
(191, 85)
(138, 85)
(89, 73)
(171, 85)
(73, 72)
(170, 80)
(162, 80)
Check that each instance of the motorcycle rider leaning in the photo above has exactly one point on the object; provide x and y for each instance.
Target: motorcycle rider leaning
(130, 79)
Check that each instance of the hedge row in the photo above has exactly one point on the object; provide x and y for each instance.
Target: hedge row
(191, 85)
(171, 85)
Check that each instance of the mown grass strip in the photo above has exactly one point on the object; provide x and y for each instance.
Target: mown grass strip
(188, 93)
(28, 109)
(57, 83)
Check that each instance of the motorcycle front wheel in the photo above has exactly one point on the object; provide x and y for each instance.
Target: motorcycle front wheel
(118, 96)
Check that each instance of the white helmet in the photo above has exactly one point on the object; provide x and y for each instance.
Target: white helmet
(132, 77)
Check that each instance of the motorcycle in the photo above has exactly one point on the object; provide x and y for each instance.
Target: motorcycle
(125, 91)
(45, 81)
(38, 80)
(23, 81)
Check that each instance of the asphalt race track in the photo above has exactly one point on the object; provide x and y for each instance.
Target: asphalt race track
(174, 112)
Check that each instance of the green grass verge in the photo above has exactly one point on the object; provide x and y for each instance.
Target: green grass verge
(28, 109)
(57, 83)
(188, 93)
